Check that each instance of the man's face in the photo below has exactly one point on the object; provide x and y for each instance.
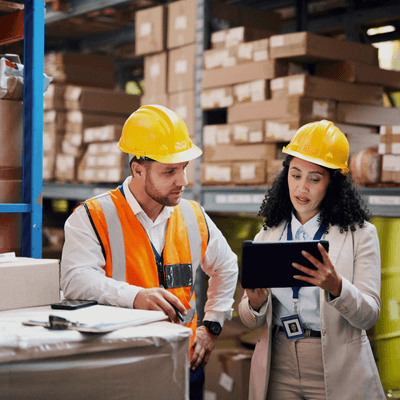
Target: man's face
(165, 183)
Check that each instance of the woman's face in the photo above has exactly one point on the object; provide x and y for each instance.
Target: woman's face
(307, 187)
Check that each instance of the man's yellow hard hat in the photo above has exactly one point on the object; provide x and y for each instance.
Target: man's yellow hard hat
(158, 133)
(321, 143)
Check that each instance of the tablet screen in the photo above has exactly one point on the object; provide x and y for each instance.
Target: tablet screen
(269, 264)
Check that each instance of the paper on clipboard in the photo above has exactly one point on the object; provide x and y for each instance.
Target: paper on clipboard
(99, 318)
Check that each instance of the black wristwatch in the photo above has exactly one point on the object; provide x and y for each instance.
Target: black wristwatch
(213, 327)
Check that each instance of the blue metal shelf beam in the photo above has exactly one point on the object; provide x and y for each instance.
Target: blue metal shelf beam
(32, 187)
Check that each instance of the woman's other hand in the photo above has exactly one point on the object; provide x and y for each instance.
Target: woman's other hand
(257, 297)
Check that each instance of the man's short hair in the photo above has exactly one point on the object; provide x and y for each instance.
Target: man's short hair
(140, 160)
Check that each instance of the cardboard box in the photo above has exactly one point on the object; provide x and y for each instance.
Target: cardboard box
(53, 98)
(248, 152)
(282, 130)
(183, 104)
(102, 133)
(150, 30)
(214, 135)
(87, 69)
(220, 58)
(65, 169)
(219, 77)
(356, 129)
(29, 282)
(77, 121)
(227, 374)
(274, 167)
(49, 163)
(190, 170)
(363, 114)
(160, 99)
(234, 36)
(294, 106)
(181, 23)
(249, 173)
(216, 173)
(212, 99)
(181, 69)
(155, 74)
(125, 50)
(54, 120)
(246, 16)
(306, 46)
(248, 132)
(11, 223)
(359, 142)
(389, 140)
(100, 100)
(356, 72)
(102, 162)
(251, 92)
(255, 51)
(390, 168)
(11, 133)
(72, 144)
(313, 86)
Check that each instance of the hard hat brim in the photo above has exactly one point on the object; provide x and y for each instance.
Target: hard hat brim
(176, 158)
(313, 160)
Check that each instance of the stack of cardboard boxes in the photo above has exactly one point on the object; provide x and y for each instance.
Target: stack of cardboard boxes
(389, 147)
(71, 106)
(282, 83)
(166, 38)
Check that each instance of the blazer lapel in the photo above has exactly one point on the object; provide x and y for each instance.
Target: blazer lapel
(336, 242)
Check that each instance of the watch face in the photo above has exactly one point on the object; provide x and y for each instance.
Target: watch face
(214, 327)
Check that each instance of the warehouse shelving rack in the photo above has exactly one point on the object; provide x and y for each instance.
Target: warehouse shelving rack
(32, 182)
(381, 201)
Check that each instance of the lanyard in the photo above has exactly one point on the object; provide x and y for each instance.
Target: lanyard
(318, 235)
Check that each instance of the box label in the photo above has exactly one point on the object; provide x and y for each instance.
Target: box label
(296, 86)
(221, 174)
(226, 382)
(155, 70)
(277, 41)
(260, 55)
(256, 136)
(247, 172)
(320, 108)
(182, 111)
(181, 67)
(145, 29)
(180, 22)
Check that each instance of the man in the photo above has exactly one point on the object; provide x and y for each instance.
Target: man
(139, 246)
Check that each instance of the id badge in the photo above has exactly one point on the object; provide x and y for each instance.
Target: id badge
(292, 327)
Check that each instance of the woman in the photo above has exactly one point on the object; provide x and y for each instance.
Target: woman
(312, 199)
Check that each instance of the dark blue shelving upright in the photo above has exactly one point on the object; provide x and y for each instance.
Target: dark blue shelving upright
(32, 177)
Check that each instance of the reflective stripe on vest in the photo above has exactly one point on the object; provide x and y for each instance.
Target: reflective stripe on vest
(117, 246)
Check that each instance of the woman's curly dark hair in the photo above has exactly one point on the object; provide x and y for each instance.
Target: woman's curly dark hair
(341, 206)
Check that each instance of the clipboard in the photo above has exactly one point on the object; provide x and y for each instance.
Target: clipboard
(269, 264)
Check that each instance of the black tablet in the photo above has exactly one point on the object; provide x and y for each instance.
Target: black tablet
(269, 264)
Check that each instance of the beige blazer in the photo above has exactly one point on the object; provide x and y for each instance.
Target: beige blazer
(349, 366)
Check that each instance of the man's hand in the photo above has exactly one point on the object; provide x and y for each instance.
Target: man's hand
(203, 345)
(159, 300)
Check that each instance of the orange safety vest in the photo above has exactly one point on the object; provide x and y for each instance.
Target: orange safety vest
(129, 254)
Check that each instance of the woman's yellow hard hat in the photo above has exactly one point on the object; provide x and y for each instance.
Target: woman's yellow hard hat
(158, 133)
(321, 143)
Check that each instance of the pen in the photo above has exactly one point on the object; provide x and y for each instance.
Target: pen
(178, 314)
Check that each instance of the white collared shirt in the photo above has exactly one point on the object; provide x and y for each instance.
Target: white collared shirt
(82, 262)
(309, 297)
